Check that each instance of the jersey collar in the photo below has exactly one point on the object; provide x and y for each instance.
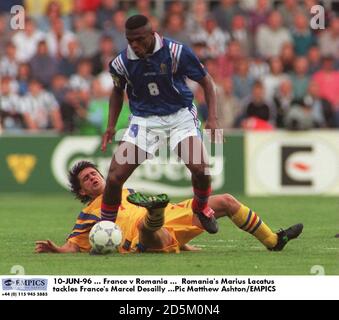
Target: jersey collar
(158, 45)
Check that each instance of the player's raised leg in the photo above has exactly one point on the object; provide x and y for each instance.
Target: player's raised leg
(152, 235)
(192, 151)
(125, 160)
(249, 221)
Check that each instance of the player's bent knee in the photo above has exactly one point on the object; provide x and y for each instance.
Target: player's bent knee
(230, 203)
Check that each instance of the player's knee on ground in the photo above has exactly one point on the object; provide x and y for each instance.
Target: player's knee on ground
(230, 204)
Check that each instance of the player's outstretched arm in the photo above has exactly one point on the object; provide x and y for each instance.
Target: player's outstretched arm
(48, 246)
(209, 88)
(115, 105)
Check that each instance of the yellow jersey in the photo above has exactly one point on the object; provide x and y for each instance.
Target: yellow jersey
(178, 222)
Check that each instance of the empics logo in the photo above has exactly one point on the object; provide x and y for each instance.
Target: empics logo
(23, 284)
(21, 166)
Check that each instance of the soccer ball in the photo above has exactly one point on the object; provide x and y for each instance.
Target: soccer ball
(105, 237)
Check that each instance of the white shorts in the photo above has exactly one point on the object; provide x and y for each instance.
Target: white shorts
(150, 133)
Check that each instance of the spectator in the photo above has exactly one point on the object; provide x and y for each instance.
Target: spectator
(282, 102)
(81, 80)
(309, 58)
(215, 39)
(63, 95)
(228, 107)
(258, 108)
(86, 5)
(196, 17)
(117, 32)
(80, 83)
(105, 79)
(11, 117)
(200, 49)
(259, 68)
(105, 12)
(271, 37)
(259, 15)
(300, 78)
(5, 34)
(303, 38)
(287, 9)
(299, 117)
(327, 80)
(176, 7)
(37, 9)
(141, 7)
(43, 66)
(94, 120)
(321, 109)
(53, 12)
(58, 39)
(26, 41)
(88, 36)
(106, 53)
(314, 60)
(273, 80)
(287, 57)
(240, 33)
(23, 78)
(242, 80)
(329, 40)
(227, 62)
(248, 5)
(174, 28)
(67, 65)
(41, 109)
(8, 63)
(225, 12)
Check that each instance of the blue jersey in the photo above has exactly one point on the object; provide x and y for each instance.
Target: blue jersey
(156, 85)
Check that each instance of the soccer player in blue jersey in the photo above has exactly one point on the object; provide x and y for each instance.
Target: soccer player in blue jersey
(152, 70)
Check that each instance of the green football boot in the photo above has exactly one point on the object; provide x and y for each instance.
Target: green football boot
(149, 202)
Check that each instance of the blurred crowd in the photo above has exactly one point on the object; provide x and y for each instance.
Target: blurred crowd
(271, 69)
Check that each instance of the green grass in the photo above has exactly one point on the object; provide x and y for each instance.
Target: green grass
(26, 218)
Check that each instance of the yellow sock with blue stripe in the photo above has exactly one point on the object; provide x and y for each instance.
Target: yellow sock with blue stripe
(250, 222)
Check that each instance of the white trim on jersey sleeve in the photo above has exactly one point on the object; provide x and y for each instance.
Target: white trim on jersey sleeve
(123, 65)
(175, 51)
(118, 65)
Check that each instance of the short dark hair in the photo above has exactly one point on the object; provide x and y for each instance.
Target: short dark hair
(136, 21)
(73, 179)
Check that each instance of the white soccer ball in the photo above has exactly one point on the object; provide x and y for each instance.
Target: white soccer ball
(105, 237)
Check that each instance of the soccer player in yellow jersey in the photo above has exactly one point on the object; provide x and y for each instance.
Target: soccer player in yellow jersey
(152, 224)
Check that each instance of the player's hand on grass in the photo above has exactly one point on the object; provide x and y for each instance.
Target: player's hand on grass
(189, 247)
(45, 246)
(107, 138)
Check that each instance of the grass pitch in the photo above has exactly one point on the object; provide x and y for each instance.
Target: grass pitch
(26, 218)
